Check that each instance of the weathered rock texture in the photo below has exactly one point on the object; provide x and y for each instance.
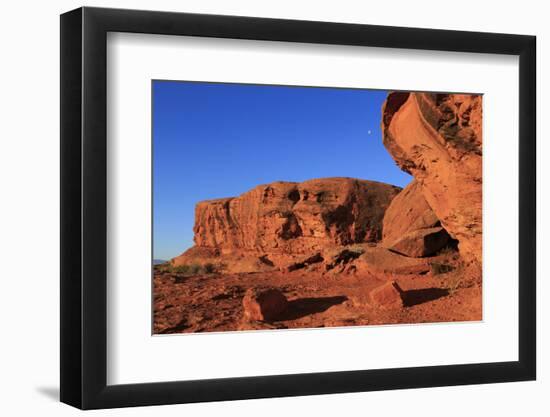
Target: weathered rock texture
(376, 260)
(294, 218)
(421, 242)
(263, 304)
(387, 295)
(408, 211)
(410, 226)
(437, 138)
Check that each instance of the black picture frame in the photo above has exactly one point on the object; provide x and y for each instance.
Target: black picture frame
(84, 207)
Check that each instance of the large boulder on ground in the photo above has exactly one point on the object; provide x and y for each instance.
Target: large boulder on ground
(377, 260)
(263, 304)
(292, 218)
(421, 242)
(408, 211)
(438, 139)
(410, 226)
(387, 295)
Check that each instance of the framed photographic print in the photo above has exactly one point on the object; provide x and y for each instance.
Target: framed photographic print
(258, 208)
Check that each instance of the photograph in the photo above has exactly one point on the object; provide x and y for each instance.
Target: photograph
(275, 208)
(284, 207)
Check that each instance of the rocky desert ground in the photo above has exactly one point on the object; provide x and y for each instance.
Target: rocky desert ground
(344, 251)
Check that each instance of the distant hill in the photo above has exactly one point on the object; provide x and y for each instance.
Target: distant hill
(158, 261)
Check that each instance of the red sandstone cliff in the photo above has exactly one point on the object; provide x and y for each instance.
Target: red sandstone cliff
(437, 138)
(295, 217)
(291, 218)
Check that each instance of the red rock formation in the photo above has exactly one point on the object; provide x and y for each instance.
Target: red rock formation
(410, 226)
(408, 211)
(294, 218)
(263, 304)
(437, 138)
(387, 295)
(421, 242)
(379, 260)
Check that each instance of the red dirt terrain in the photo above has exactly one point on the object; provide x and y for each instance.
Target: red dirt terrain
(341, 251)
(214, 302)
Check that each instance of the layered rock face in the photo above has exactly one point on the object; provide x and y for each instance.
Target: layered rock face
(295, 218)
(438, 139)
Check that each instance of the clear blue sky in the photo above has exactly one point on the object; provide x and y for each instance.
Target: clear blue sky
(219, 140)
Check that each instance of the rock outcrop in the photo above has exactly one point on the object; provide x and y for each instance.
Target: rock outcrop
(387, 295)
(273, 220)
(411, 227)
(438, 139)
(379, 260)
(421, 242)
(263, 304)
(408, 211)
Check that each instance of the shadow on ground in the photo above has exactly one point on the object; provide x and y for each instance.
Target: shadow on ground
(302, 307)
(414, 297)
(50, 392)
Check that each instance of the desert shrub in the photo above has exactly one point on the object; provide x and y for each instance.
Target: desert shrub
(447, 250)
(196, 269)
(453, 282)
(437, 268)
(165, 267)
(450, 251)
(454, 275)
(181, 269)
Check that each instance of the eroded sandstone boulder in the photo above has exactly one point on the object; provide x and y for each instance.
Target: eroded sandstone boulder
(376, 260)
(263, 304)
(411, 227)
(438, 139)
(408, 211)
(387, 295)
(421, 242)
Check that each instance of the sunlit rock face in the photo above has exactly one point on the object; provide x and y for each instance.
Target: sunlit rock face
(437, 138)
(295, 217)
(280, 220)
